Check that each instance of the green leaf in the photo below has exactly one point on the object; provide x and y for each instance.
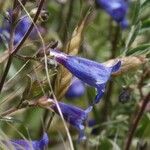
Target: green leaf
(115, 146)
(37, 89)
(145, 26)
(141, 49)
(10, 119)
(143, 130)
(145, 3)
(28, 87)
(132, 36)
(136, 12)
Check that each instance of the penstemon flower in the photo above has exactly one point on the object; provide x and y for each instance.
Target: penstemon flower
(117, 9)
(28, 145)
(76, 89)
(93, 73)
(75, 116)
(20, 30)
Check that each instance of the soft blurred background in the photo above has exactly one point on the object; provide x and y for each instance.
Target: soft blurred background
(101, 39)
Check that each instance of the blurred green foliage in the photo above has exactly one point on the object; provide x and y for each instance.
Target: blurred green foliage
(113, 118)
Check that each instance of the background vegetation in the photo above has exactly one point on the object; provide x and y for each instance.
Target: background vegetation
(99, 38)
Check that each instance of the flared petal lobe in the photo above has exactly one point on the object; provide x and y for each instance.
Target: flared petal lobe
(75, 116)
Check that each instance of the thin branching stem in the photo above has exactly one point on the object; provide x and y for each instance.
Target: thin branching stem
(136, 121)
(20, 44)
(10, 45)
(19, 107)
(8, 112)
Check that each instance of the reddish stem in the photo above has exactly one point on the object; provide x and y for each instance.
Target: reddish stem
(136, 121)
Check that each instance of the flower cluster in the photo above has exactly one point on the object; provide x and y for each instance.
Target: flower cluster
(85, 71)
(81, 68)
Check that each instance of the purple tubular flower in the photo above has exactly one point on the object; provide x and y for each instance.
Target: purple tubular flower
(117, 9)
(76, 89)
(20, 30)
(74, 116)
(93, 73)
(29, 145)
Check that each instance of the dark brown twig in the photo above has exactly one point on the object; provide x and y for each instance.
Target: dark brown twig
(136, 121)
(20, 44)
(11, 46)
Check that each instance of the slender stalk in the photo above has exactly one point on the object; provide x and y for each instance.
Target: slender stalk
(24, 2)
(50, 121)
(30, 28)
(5, 72)
(10, 45)
(65, 20)
(136, 121)
(20, 106)
(8, 112)
(15, 4)
(108, 95)
(68, 19)
(20, 44)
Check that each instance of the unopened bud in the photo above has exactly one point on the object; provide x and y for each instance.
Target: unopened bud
(125, 95)
(44, 102)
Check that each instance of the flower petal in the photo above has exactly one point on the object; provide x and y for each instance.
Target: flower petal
(93, 73)
(76, 89)
(74, 115)
(29, 145)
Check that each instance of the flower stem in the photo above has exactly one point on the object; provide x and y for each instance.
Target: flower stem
(20, 44)
(114, 44)
(136, 121)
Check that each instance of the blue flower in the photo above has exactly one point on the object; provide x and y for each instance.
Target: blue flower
(76, 89)
(74, 116)
(93, 73)
(28, 145)
(20, 30)
(117, 9)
